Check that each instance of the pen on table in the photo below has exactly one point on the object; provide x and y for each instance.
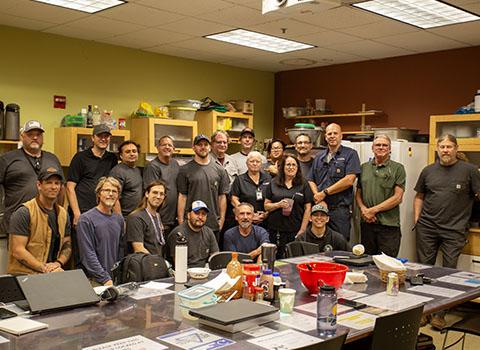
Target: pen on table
(231, 296)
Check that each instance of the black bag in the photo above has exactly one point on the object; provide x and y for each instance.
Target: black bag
(139, 267)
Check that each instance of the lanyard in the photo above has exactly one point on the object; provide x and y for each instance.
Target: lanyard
(158, 227)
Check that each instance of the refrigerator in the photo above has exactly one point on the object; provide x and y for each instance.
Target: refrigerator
(414, 157)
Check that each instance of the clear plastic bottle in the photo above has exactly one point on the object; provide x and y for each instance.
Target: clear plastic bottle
(234, 269)
(327, 311)
(96, 115)
(277, 282)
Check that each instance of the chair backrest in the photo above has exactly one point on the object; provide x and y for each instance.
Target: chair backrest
(298, 248)
(398, 331)
(220, 260)
(334, 343)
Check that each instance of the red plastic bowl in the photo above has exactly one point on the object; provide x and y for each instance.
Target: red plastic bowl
(330, 273)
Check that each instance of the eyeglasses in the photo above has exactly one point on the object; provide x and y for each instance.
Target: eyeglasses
(106, 190)
(291, 165)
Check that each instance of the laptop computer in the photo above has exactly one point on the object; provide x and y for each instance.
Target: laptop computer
(57, 290)
(10, 290)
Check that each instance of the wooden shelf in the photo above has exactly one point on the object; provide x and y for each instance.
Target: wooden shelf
(369, 132)
(8, 142)
(359, 114)
(474, 229)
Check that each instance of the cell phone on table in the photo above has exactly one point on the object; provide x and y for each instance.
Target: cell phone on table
(5, 313)
(351, 303)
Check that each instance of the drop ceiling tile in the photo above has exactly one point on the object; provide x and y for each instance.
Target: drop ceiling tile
(261, 66)
(137, 14)
(338, 18)
(26, 23)
(421, 41)
(188, 53)
(327, 38)
(466, 32)
(102, 26)
(195, 27)
(78, 33)
(292, 28)
(254, 4)
(186, 7)
(146, 38)
(8, 4)
(239, 16)
(43, 12)
(371, 49)
(384, 27)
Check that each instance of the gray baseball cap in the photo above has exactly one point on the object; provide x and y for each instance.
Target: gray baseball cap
(32, 125)
(318, 207)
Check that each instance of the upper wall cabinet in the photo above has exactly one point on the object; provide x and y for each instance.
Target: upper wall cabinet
(232, 122)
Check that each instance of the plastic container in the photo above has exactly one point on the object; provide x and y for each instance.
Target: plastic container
(197, 296)
(96, 116)
(183, 113)
(74, 120)
(186, 103)
(329, 273)
(266, 282)
(234, 269)
(327, 311)
(251, 274)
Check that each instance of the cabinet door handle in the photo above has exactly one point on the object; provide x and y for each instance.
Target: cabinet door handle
(475, 261)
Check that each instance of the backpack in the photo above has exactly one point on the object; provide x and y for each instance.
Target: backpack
(139, 267)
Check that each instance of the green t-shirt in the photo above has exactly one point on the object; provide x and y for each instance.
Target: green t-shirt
(377, 183)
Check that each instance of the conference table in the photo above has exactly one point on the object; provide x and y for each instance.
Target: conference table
(157, 316)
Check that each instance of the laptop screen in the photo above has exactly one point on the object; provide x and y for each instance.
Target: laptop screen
(57, 290)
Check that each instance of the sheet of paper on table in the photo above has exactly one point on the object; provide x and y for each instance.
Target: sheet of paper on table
(349, 294)
(357, 320)
(3, 340)
(144, 293)
(308, 258)
(137, 342)
(442, 292)
(400, 302)
(298, 321)
(416, 266)
(193, 338)
(156, 285)
(312, 308)
(466, 275)
(460, 281)
(288, 339)
(259, 331)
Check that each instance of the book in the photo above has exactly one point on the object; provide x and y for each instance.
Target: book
(20, 325)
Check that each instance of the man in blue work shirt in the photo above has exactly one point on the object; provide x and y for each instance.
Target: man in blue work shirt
(331, 179)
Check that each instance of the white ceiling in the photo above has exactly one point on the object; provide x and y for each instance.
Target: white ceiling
(341, 33)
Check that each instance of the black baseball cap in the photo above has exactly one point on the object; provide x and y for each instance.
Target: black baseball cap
(47, 173)
(247, 131)
(199, 138)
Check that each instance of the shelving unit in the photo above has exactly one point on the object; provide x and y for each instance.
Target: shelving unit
(211, 121)
(8, 145)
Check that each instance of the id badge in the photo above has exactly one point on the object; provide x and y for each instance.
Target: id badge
(259, 194)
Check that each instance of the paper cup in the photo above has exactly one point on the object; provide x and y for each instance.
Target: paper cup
(287, 299)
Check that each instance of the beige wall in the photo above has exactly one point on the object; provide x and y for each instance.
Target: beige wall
(35, 66)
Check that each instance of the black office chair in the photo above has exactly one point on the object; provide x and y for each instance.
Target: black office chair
(297, 248)
(334, 343)
(470, 324)
(220, 260)
(398, 331)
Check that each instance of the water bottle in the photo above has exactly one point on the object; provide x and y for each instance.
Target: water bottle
(181, 258)
(327, 311)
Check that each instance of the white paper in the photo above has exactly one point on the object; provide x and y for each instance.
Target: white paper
(3, 340)
(156, 285)
(259, 331)
(144, 293)
(312, 308)
(460, 281)
(357, 320)
(137, 342)
(416, 266)
(298, 321)
(442, 292)
(192, 338)
(100, 289)
(398, 302)
(307, 258)
(285, 340)
(467, 275)
(349, 294)
(222, 281)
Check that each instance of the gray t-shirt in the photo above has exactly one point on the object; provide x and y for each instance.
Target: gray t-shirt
(200, 244)
(131, 182)
(449, 192)
(156, 170)
(205, 183)
(18, 177)
(20, 225)
(140, 229)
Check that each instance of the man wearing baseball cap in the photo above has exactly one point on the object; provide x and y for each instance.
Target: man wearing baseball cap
(203, 179)
(319, 233)
(19, 169)
(247, 142)
(39, 231)
(201, 240)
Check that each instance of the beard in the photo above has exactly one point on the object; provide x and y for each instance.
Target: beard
(244, 224)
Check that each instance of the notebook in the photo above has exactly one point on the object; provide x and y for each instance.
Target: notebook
(20, 325)
(353, 260)
(57, 290)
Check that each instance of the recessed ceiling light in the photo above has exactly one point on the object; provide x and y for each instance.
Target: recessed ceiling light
(420, 13)
(259, 41)
(89, 6)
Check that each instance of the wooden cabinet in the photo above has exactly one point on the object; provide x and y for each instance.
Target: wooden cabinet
(231, 122)
(6, 145)
(147, 131)
(68, 141)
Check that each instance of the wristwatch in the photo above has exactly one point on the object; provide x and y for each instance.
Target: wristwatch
(326, 192)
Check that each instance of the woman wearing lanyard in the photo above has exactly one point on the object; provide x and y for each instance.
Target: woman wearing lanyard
(249, 187)
(144, 225)
(288, 201)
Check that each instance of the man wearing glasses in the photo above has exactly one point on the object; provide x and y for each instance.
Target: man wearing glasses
(303, 146)
(164, 167)
(20, 168)
(379, 193)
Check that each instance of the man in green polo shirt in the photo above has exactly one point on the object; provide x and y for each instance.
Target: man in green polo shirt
(379, 193)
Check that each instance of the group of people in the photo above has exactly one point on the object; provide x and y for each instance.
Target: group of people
(220, 201)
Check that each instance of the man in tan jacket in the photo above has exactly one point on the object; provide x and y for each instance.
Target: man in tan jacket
(39, 230)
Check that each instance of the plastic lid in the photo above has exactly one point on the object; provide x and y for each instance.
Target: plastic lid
(305, 125)
(327, 288)
(267, 272)
(196, 292)
(275, 274)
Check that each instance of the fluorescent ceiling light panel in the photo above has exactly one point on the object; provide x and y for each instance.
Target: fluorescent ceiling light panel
(259, 41)
(420, 13)
(89, 6)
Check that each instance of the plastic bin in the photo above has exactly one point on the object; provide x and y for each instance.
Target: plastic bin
(183, 113)
(197, 296)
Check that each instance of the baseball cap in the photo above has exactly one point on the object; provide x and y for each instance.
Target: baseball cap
(198, 205)
(247, 131)
(47, 173)
(100, 129)
(319, 207)
(32, 125)
(199, 138)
